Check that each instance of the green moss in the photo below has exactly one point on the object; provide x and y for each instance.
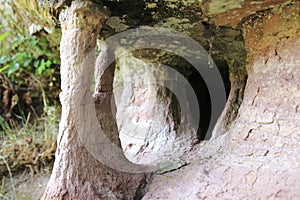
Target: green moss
(188, 2)
(117, 24)
(220, 6)
(181, 25)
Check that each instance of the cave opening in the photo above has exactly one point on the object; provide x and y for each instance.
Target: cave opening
(204, 100)
(224, 43)
(148, 115)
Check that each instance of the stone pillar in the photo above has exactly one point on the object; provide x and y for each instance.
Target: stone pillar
(76, 173)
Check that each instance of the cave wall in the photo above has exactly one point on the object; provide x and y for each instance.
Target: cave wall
(148, 114)
(258, 157)
(254, 151)
(224, 43)
(272, 93)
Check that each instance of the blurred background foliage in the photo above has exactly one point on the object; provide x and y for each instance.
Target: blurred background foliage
(29, 85)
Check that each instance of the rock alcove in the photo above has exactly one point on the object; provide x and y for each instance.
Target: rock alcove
(254, 148)
(149, 114)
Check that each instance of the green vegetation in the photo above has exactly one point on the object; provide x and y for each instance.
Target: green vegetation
(21, 60)
(29, 88)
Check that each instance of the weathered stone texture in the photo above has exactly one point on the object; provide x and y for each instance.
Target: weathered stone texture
(76, 173)
(259, 156)
(234, 12)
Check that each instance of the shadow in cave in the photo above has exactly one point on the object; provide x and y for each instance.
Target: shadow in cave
(202, 93)
(203, 97)
(149, 115)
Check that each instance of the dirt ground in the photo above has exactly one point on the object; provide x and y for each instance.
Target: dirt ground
(27, 186)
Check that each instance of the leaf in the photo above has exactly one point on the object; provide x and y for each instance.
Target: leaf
(48, 63)
(27, 62)
(41, 68)
(4, 68)
(48, 52)
(20, 56)
(42, 64)
(18, 41)
(4, 59)
(55, 61)
(33, 42)
(13, 68)
(3, 36)
(36, 63)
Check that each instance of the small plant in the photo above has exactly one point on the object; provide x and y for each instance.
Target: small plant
(31, 147)
(31, 61)
(29, 87)
(28, 69)
(3, 35)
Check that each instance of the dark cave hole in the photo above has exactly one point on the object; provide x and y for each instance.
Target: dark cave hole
(202, 93)
(203, 97)
(170, 103)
